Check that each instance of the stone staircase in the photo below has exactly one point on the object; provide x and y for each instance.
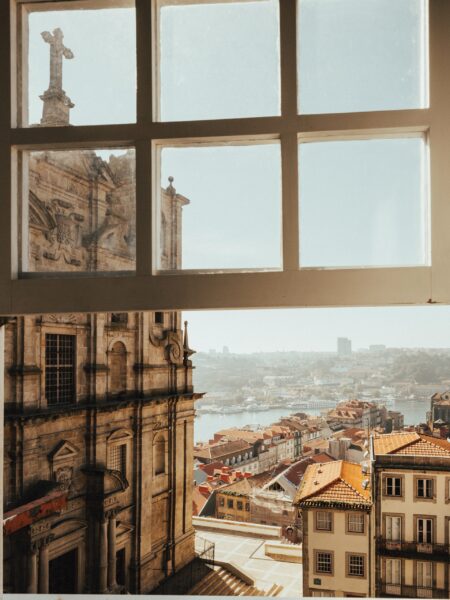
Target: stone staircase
(221, 582)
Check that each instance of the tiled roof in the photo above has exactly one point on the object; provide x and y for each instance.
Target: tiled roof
(239, 487)
(336, 482)
(411, 443)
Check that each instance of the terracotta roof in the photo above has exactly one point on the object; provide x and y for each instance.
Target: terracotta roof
(411, 443)
(242, 487)
(211, 467)
(322, 457)
(336, 482)
(214, 451)
(198, 501)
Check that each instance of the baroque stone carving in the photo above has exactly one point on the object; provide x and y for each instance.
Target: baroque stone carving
(64, 476)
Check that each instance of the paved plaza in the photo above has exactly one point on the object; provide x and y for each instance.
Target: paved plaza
(247, 553)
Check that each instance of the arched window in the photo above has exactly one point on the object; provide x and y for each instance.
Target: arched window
(118, 368)
(159, 455)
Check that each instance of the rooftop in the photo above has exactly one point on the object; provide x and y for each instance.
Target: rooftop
(337, 482)
(411, 443)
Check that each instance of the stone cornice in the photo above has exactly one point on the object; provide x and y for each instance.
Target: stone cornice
(112, 405)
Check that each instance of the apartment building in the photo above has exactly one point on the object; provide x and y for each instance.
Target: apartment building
(411, 482)
(335, 502)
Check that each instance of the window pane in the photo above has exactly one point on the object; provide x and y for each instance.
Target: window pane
(218, 60)
(81, 66)
(225, 209)
(363, 203)
(358, 55)
(79, 212)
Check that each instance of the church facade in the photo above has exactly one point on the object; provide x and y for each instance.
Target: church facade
(99, 408)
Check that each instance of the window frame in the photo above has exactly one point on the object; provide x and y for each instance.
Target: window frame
(60, 368)
(424, 498)
(362, 516)
(316, 558)
(329, 521)
(401, 478)
(348, 557)
(289, 287)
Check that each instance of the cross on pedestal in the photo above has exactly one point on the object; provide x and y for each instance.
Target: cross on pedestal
(57, 104)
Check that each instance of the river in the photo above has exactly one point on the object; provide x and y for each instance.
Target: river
(207, 424)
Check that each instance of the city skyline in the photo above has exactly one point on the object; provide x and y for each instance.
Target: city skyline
(317, 329)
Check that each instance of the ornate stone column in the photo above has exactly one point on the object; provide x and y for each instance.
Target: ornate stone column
(43, 565)
(103, 558)
(32, 586)
(112, 582)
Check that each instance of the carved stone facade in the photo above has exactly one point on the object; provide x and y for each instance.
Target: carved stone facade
(99, 408)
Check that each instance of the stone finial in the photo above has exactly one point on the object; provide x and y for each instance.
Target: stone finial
(57, 104)
(170, 187)
(187, 352)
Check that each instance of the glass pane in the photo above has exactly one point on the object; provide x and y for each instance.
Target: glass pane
(361, 55)
(225, 212)
(218, 60)
(81, 67)
(79, 211)
(363, 203)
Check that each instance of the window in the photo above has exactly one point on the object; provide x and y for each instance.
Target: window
(247, 506)
(425, 531)
(230, 503)
(221, 501)
(240, 505)
(424, 573)
(117, 459)
(355, 523)
(424, 488)
(60, 368)
(159, 317)
(159, 455)
(393, 571)
(324, 562)
(393, 528)
(119, 318)
(356, 565)
(350, 89)
(324, 520)
(393, 486)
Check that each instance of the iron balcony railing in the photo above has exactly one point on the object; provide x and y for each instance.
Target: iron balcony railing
(401, 548)
(393, 590)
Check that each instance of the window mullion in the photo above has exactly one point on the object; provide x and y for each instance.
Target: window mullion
(8, 237)
(144, 209)
(288, 57)
(440, 149)
(144, 63)
(290, 208)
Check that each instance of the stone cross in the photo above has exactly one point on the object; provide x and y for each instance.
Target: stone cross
(57, 51)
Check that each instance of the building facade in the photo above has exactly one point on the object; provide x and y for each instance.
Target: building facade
(99, 408)
(412, 498)
(335, 501)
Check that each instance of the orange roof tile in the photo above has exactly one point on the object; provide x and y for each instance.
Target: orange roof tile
(338, 481)
(411, 443)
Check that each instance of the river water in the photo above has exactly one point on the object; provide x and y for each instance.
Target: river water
(207, 424)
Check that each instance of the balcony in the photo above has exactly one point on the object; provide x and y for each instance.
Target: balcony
(435, 552)
(411, 591)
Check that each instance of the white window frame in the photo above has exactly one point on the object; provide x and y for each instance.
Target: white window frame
(393, 528)
(324, 520)
(393, 571)
(288, 287)
(356, 523)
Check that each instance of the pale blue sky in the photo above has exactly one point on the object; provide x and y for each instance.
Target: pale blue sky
(222, 61)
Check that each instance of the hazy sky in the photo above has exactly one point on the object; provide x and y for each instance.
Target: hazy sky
(362, 203)
(316, 329)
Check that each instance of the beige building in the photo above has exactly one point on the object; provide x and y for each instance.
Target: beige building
(335, 501)
(412, 499)
(99, 408)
